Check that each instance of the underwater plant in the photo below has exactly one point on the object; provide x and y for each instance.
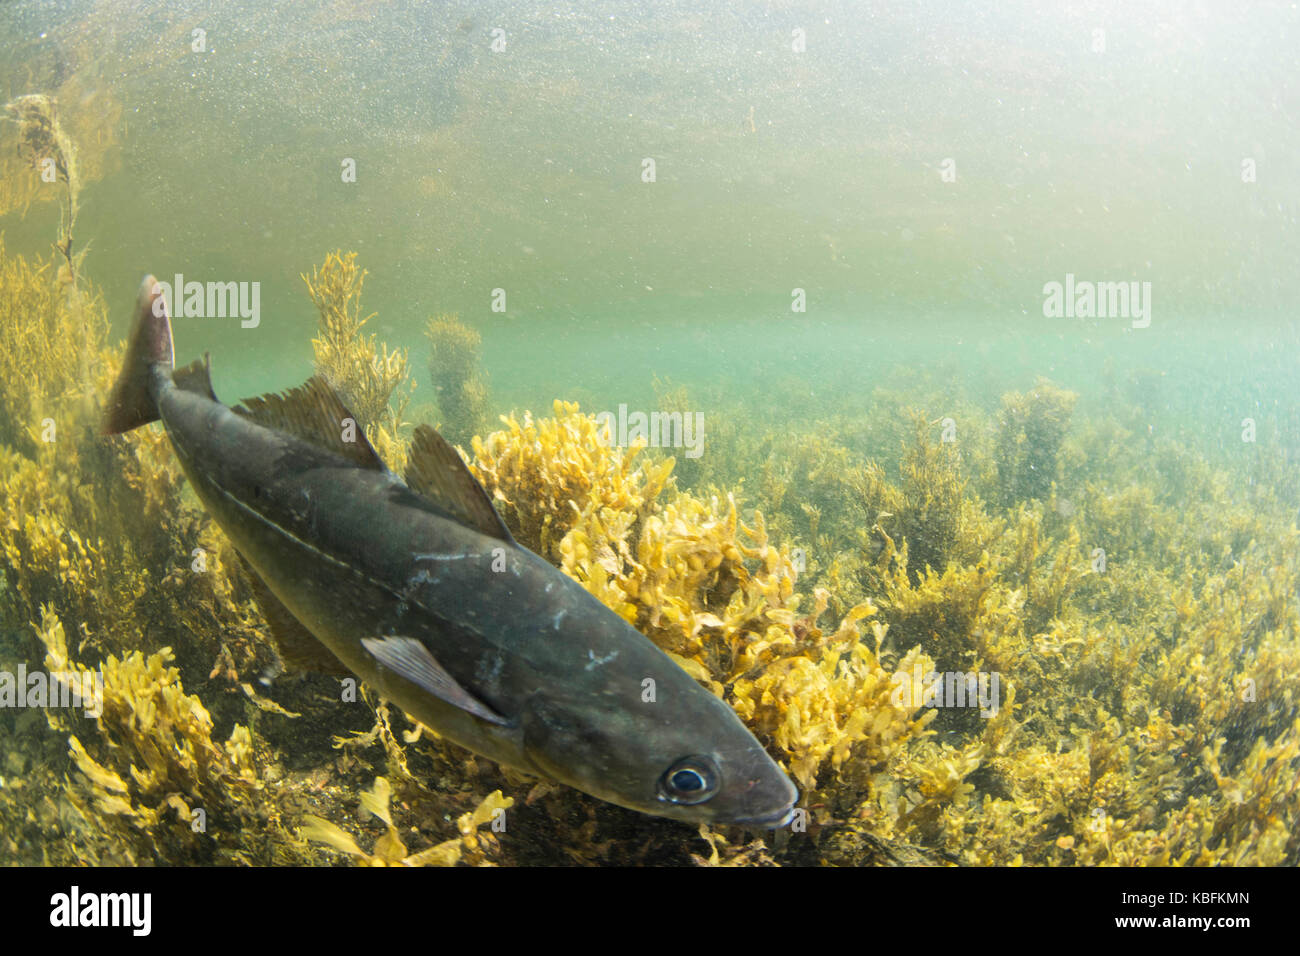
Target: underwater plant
(544, 473)
(454, 370)
(1031, 428)
(473, 847)
(45, 329)
(371, 379)
(47, 150)
(159, 776)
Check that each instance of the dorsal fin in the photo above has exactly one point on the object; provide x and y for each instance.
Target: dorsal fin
(435, 470)
(196, 377)
(314, 412)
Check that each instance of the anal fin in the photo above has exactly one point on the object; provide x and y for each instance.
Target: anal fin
(299, 648)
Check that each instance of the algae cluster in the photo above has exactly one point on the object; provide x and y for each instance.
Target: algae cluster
(371, 378)
(454, 369)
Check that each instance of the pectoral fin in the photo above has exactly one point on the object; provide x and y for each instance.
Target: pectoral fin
(410, 659)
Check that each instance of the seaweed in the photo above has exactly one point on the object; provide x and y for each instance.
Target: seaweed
(45, 148)
(156, 781)
(473, 846)
(371, 379)
(454, 370)
(544, 474)
(1031, 429)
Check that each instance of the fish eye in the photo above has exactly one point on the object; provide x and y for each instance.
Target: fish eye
(689, 781)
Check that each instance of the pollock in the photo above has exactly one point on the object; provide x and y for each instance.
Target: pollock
(415, 586)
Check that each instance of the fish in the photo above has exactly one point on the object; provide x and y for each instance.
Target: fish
(415, 586)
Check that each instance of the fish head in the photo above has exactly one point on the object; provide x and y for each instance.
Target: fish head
(685, 755)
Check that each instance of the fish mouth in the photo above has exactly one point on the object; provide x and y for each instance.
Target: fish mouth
(771, 821)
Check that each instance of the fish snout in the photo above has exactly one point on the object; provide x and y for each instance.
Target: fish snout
(765, 796)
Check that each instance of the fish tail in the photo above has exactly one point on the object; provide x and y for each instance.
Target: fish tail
(132, 402)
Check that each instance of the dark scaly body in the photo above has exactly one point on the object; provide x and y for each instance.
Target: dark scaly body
(355, 555)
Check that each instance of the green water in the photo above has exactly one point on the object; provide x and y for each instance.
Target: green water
(521, 170)
(856, 209)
